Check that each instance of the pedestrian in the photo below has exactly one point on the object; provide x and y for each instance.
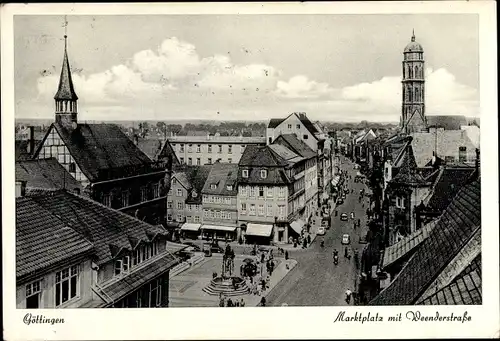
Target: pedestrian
(309, 239)
(229, 303)
(263, 301)
(237, 304)
(286, 255)
(242, 303)
(262, 257)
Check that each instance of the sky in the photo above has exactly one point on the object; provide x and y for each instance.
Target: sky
(343, 68)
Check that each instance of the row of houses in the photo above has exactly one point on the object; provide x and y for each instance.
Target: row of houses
(423, 237)
(273, 192)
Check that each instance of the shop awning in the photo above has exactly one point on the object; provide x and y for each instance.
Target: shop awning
(261, 230)
(190, 227)
(297, 225)
(219, 228)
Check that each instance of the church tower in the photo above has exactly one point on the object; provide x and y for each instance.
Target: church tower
(66, 98)
(413, 109)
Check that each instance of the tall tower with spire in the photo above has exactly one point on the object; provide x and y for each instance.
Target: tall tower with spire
(413, 108)
(66, 99)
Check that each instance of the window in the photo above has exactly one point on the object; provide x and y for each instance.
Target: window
(198, 161)
(182, 147)
(306, 136)
(188, 207)
(33, 295)
(229, 160)
(106, 200)
(125, 198)
(281, 211)
(298, 126)
(211, 199)
(252, 192)
(212, 214)
(206, 213)
(220, 148)
(242, 148)
(190, 161)
(230, 149)
(269, 192)
(243, 191)
(462, 154)
(227, 201)
(144, 193)
(252, 209)
(243, 208)
(67, 285)
(198, 148)
(196, 219)
(281, 192)
(181, 160)
(72, 167)
(180, 206)
(209, 160)
(261, 210)
(269, 210)
(179, 192)
(263, 173)
(261, 192)
(244, 173)
(156, 190)
(229, 187)
(289, 127)
(209, 148)
(169, 204)
(180, 217)
(169, 217)
(190, 148)
(213, 186)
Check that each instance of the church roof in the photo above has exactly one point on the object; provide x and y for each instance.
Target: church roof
(101, 149)
(66, 90)
(413, 46)
(408, 171)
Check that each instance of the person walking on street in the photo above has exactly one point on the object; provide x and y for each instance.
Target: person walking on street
(348, 294)
(286, 254)
(263, 301)
(242, 303)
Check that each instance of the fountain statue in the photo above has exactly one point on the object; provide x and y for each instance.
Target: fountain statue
(227, 283)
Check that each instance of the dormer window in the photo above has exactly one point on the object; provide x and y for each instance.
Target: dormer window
(194, 194)
(229, 187)
(263, 173)
(213, 186)
(244, 173)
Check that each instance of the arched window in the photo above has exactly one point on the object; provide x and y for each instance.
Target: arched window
(410, 72)
(417, 98)
(410, 93)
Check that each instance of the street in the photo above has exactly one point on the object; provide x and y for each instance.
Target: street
(316, 280)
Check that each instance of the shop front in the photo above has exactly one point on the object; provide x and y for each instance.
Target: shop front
(190, 230)
(260, 234)
(218, 232)
(296, 228)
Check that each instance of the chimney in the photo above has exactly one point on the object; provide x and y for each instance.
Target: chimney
(20, 188)
(31, 140)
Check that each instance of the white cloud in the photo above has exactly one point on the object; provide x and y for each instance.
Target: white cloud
(302, 87)
(175, 78)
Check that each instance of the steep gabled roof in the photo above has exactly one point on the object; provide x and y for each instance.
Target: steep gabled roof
(222, 175)
(98, 149)
(408, 172)
(261, 156)
(47, 174)
(104, 227)
(456, 226)
(448, 122)
(198, 177)
(274, 122)
(293, 143)
(151, 147)
(43, 239)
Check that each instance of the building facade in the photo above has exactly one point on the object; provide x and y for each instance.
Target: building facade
(219, 202)
(206, 150)
(89, 264)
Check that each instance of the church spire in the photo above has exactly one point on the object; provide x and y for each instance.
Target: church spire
(413, 35)
(66, 98)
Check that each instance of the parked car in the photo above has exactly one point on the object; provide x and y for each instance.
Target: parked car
(340, 201)
(325, 223)
(343, 217)
(346, 240)
(216, 248)
(321, 231)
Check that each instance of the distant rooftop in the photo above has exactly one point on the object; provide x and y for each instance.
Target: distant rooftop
(217, 139)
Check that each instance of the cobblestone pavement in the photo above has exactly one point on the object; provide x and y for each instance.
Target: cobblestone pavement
(186, 288)
(316, 281)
